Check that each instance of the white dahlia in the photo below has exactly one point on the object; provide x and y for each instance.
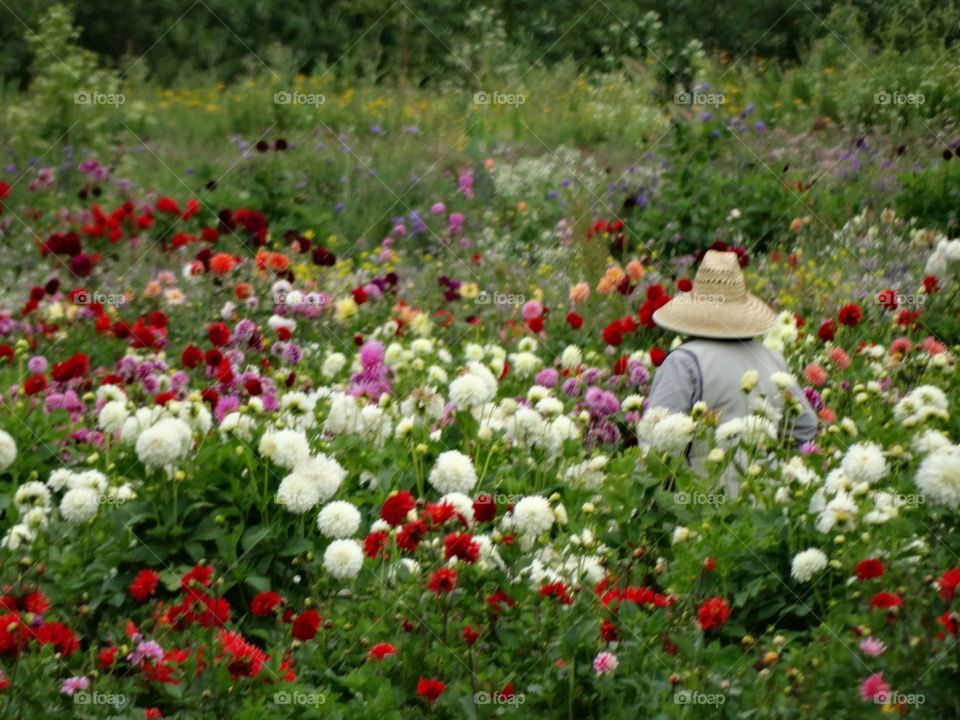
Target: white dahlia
(298, 493)
(807, 564)
(453, 472)
(864, 462)
(112, 416)
(79, 504)
(8, 450)
(287, 448)
(324, 472)
(938, 477)
(32, 494)
(338, 519)
(343, 559)
(164, 442)
(533, 515)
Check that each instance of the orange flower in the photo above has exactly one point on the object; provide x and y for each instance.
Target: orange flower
(274, 261)
(579, 293)
(243, 290)
(222, 263)
(610, 280)
(635, 270)
(278, 262)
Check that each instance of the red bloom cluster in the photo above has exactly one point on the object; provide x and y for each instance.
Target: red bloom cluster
(144, 585)
(443, 581)
(430, 689)
(870, 568)
(76, 366)
(656, 299)
(557, 590)
(22, 623)
(850, 315)
(263, 604)
(306, 625)
(396, 507)
(713, 613)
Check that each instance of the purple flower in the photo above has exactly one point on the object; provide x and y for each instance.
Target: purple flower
(438, 208)
(548, 377)
(601, 402)
(292, 354)
(74, 684)
(145, 651)
(37, 364)
(872, 647)
(371, 353)
(810, 448)
(531, 309)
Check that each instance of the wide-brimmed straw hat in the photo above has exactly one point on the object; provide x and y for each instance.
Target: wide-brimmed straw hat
(719, 305)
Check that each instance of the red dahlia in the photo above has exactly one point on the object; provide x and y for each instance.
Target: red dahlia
(850, 315)
(430, 689)
(885, 601)
(263, 604)
(947, 585)
(144, 585)
(460, 546)
(396, 507)
(869, 568)
(443, 581)
(382, 650)
(713, 613)
(484, 508)
(306, 624)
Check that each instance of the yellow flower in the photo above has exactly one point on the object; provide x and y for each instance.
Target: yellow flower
(344, 309)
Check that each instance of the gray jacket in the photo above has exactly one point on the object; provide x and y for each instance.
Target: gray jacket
(712, 371)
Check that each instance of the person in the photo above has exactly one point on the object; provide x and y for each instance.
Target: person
(720, 322)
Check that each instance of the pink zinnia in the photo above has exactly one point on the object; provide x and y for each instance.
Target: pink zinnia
(438, 208)
(934, 346)
(815, 375)
(74, 684)
(873, 686)
(872, 647)
(900, 346)
(839, 357)
(605, 662)
(532, 309)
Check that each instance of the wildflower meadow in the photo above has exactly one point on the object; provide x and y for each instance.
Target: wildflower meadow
(325, 357)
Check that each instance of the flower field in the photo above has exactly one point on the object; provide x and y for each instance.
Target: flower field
(340, 411)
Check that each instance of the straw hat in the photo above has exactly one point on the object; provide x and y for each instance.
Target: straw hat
(719, 305)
